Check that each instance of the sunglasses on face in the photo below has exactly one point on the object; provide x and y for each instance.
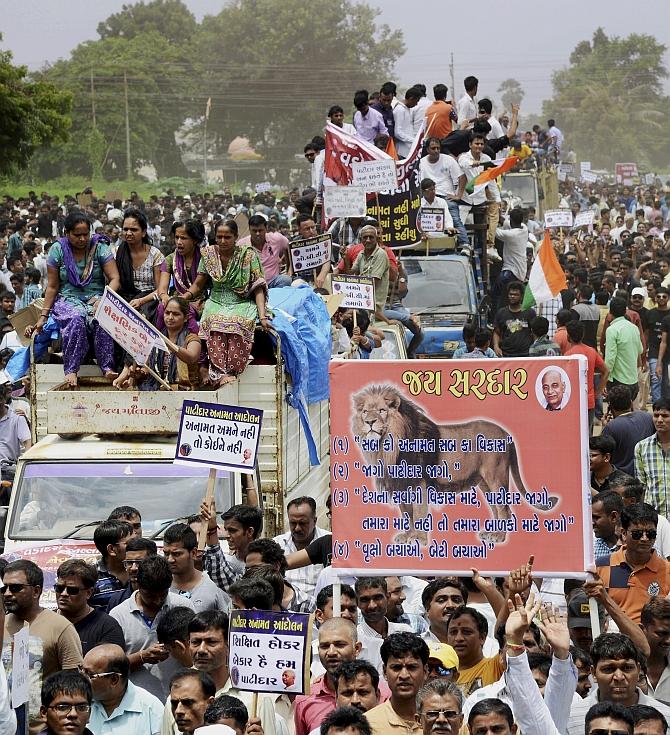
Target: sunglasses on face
(71, 589)
(603, 731)
(449, 714)
(638, 533)
(13, 588)
(439, 670)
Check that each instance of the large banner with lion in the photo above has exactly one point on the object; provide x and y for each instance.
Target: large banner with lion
(441, 466)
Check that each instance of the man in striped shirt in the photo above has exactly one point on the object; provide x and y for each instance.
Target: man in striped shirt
(652, 458)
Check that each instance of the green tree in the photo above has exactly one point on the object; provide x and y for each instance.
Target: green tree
(274, 67)
(511, 93)
(609, 102)
(169, 18)
(32, 114)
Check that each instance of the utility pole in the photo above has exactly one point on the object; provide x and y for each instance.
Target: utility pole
(125, 95)
(453, 80)
(208, 107)
(93, 99)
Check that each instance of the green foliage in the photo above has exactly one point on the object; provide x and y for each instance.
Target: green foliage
(32, 114)
(278, 85)
(169, 18)
(511, 93)
(609, 102)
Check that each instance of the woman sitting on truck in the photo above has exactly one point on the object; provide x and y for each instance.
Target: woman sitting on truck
(78, 266)
(179, 366)
(237, 299)
(181, 267)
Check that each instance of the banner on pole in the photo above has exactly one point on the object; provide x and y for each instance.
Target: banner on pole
(558, 218)
(438, 468)
(375, 175)
(344, 201)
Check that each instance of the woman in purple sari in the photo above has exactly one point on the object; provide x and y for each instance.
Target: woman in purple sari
(182, 267)
(78, 266)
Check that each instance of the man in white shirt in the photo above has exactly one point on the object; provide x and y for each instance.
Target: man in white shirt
(467, 106)
(472, 165)
(404, 128)
(515, 263)
(376, 627)
(419, 111)
(449, 180)
(336, 116)
(485, 110)
(431, 201)
(554, 139)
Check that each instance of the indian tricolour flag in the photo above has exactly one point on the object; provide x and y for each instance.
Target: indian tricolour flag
(546, 278)
(495, 168)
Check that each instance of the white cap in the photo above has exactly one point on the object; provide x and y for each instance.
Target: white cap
(214, 730)
(638, 292)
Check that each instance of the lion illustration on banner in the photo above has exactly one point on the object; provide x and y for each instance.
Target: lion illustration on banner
(381, 410)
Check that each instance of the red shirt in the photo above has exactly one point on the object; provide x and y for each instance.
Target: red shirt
(595, 362)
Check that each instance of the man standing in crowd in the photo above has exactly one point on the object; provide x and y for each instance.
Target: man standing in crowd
(440, 115)
(110, 539)
(191, 692)
(467, 105)
(404, 128)
(136, 550)
(623, 348)
(56, 643)
(119, 707)
(652, 460)
(302, 531)
(604, 475)
(385, 106)
(512, 336)
(627, 428)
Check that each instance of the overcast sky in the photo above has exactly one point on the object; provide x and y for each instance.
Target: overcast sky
(492, 40)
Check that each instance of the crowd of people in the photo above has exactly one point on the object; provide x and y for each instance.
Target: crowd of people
(140, 640)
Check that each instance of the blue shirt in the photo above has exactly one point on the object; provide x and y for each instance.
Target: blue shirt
(138, 713)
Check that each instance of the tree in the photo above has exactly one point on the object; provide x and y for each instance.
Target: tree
(510, 93)
(159, 77)
(273, 80)
(32, 114)
(609, 102)
(169, 18)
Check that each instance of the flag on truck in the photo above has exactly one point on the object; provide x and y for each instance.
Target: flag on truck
(546, 278)
(479, 182)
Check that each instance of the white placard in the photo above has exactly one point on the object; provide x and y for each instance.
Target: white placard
(358, 291)
(431, 219)
(585, 166)
(589, 177)
(558, 218)
(21, 667)
(375, 175)
(306, 255)
(263, 186)
(219, 436)
(649, 178)
(344, 201)
(584, 218)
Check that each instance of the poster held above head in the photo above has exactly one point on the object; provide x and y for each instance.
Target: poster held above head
(219, 436)
(270, 651)
(584, 218)
(306, 255)
(344, 201)
(589, 177)
(626, 173)
(558, 218)
(358, 292)
(375, 175)
(436, 468)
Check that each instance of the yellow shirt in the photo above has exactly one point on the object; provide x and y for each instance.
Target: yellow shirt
(486, 672)
(523, 152)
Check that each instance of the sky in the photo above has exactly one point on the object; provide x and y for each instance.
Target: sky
(492, 40)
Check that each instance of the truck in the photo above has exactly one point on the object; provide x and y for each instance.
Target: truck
(533, 188)
(97, 448)
(443, 294)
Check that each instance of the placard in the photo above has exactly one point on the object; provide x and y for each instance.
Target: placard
(112, 196)
(649, 179)
(584, 218)
(589, 177)
(584, 166)
(375, 175)
(263, 186)
(127, 327)
(21, 667)
(558, 218)
(625, 173)
(84, 200)
(270, 651)
(431, 219)
(216, 436)
(440, 467)
(306, 255)
(566, 168)
(358, 291)
(344, 201)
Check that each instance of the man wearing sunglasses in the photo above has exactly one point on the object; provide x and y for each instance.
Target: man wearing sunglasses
(75, 580)
(54, 643)
(119, 707)
(439, 707)
(635, 573)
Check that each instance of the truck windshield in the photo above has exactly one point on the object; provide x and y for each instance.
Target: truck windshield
(436, 284)
(53, 498)
(522, 187)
